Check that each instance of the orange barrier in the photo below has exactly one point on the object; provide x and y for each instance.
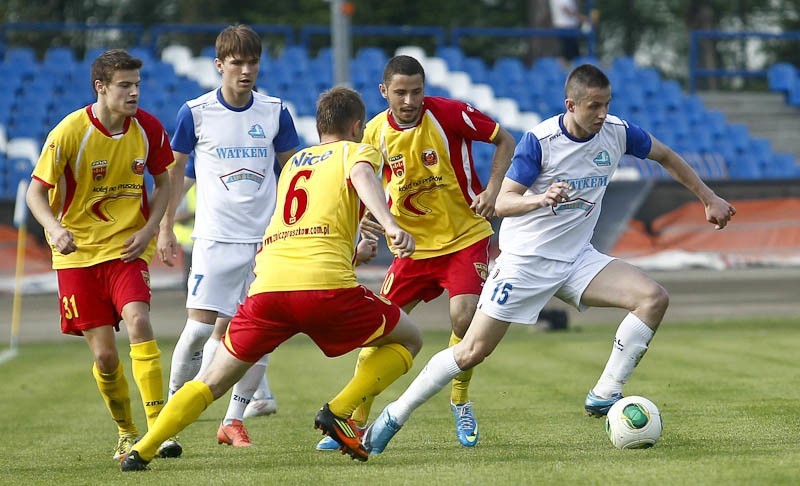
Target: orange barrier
(37, 256)
(765, 229)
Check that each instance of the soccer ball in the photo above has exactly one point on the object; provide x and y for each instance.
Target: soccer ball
(633, 423)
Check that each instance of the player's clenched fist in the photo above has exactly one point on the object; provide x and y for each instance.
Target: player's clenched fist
(556, 194)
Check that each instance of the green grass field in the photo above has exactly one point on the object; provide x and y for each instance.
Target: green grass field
(728, 394)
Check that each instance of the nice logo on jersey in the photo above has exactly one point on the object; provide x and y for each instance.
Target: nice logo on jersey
(602, 159)
(99, 169)
(430, 157)
(398, 165)
(137, 166)
(256, 131)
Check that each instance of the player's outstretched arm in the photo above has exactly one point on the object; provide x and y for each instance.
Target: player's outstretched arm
(512, 200)
(484, 202)
(370, 192)
(167, 243)
(718, 210)
(60, 237)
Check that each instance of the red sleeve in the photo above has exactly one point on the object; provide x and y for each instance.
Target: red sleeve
(159, 156)
(463, 118)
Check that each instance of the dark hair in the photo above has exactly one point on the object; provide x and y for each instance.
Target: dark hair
(582, 78)
(405, 65)
(337, 108)
(238, 40)
(109, 62)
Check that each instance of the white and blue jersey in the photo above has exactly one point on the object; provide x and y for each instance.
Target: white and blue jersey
(234, 155)
(548, 154)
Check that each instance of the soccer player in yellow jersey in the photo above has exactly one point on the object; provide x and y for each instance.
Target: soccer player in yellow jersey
(306, 283)
(435, 195)
(89, 194)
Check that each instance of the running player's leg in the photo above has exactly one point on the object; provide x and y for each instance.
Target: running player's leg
(480, 340)
(187, 356)
(619, 284)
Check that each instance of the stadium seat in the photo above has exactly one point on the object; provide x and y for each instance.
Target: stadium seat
(20, 56)
(781, 76)
(476, 69)
(416, 52)
(23, 148)
(452, 55)
(59, 55)
(371, 56)
(176, 54)
(436, 72)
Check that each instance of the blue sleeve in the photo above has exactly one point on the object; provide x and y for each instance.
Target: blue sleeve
(637, 141)
(184, 139)
(286, 139)
(189, 171)
(526, 164)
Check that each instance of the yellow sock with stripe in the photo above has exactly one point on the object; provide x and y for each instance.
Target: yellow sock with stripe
(183, 408)
(146, 367)
(377, 371)
(361, 413)
(114, 390)
(459, 391)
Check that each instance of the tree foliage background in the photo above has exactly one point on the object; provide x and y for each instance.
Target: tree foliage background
(656, 32)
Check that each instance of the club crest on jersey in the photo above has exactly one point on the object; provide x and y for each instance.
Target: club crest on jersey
(482, 269)
(99, 169)
(429, 157)
(137, 166)
(398, 165)
(602, 159)
(256, 131)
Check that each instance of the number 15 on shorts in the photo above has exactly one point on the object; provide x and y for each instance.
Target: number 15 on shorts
(501, 292)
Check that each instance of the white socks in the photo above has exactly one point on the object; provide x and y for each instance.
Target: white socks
(438, 373)
(630, 344)
(209, 350)
(244, 389)
(188, 354)
(263, 392)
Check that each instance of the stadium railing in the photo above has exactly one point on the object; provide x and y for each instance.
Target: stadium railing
(697, 37)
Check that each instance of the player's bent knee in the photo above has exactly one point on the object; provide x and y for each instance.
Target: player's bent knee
(658, 298)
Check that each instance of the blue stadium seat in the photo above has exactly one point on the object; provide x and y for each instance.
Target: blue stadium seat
(671, 95)
(650, 81)
(586, 60)
(624, 64)
(782, 166)
(738, 136)
(782, 76)
(20, 56)
(452, 55)
(476, 69)
(509, 68)
(371, 56)
(59, 55)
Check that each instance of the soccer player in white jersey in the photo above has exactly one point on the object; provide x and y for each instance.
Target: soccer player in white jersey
(550, 199)
(236, 134)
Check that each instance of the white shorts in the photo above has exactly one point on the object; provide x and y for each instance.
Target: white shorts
(519, 287)
(220, 275)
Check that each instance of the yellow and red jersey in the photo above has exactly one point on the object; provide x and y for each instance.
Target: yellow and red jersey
(97, 182)
(309, 243)
(429, 175)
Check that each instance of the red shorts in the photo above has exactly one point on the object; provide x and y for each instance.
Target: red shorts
(94, 296)
(337, 320)
(461, 272)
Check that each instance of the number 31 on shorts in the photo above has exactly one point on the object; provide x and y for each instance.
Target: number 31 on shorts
(500, 292)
